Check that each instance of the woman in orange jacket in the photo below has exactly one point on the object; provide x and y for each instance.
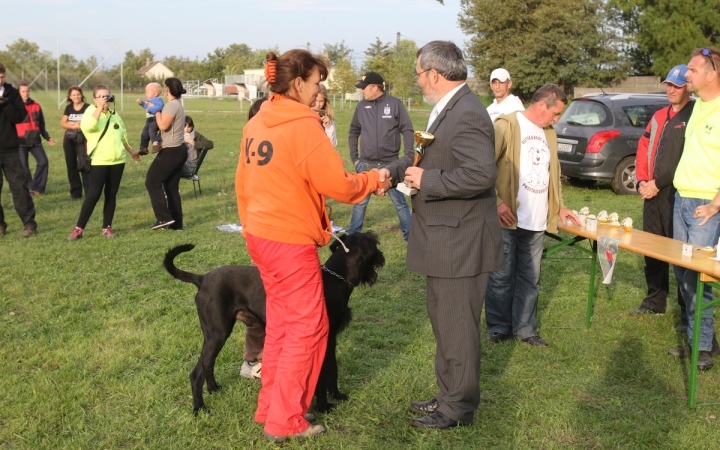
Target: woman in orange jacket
(287, 168)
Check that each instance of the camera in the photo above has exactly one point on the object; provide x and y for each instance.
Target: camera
(321, 112)
(110, 98)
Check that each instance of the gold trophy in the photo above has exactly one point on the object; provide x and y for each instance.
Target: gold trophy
(422, 139)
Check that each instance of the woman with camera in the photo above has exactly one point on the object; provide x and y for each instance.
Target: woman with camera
(287, 168)
(325, 109)
(163, 176)
(74, 142)
(107, 142)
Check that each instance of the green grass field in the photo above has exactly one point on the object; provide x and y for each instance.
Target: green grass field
(97, 340)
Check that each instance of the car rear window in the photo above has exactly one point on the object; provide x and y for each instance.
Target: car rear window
(640, 115)
(586, 112)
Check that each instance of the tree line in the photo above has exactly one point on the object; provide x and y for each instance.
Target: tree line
(584, 42)
(568, 42)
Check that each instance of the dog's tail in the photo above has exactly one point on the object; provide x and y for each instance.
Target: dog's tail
(177, 273)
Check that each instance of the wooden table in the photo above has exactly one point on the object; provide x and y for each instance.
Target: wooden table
(654, 246)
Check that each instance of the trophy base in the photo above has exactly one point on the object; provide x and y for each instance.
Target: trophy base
(405, 189)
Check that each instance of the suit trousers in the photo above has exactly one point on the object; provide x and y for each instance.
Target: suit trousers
(658, 219)
(454, 306)
(17, 178)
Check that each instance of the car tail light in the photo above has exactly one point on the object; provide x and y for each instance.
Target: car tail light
(599, 139)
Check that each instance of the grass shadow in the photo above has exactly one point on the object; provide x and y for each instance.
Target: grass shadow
(627, 386)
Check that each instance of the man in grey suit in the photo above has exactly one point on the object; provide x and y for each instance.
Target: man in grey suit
(456, 239)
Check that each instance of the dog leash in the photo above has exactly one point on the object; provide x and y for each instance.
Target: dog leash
(347, 250)
(335, 274)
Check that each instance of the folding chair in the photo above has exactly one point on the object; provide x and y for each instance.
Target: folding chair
(194, 175)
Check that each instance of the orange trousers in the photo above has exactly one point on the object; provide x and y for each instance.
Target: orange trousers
(296, 332)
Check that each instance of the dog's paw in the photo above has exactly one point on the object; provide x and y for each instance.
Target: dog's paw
(203, 408)
(339, 396)
(326, 408)
(213, 389)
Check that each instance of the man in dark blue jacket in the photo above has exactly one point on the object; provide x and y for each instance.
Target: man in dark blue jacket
(378, 122)
(12, 112)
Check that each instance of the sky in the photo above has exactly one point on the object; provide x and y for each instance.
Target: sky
(193, 29)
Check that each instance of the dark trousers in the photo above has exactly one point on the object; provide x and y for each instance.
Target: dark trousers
(658, 219)
(454, 306)
(150, 133)
(254, 342)
(17, 178)
(105, 178)
(39, 181)
(79, 181)
(164, 172)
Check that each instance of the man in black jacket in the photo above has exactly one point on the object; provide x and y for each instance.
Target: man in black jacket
(658, 155)
(378, 122)
(12, 112)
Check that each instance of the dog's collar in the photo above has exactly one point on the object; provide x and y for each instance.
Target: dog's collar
(336, 275)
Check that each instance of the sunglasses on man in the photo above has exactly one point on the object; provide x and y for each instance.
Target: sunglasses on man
(706, 52)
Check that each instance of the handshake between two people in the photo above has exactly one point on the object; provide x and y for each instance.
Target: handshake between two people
(413, 175)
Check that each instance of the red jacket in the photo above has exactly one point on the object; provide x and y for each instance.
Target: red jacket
(660, 148)
(30, 129)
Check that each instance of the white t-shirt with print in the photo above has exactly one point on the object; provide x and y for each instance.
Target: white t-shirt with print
(534, 180)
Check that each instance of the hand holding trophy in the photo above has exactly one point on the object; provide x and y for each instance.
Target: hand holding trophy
(422, 139)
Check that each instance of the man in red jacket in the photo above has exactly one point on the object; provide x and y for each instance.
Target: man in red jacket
(657, 158)
(12, 112)
(29, 133)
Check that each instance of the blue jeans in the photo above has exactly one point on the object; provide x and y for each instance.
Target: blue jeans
(512, 293)
(398, 199)
(688, 229)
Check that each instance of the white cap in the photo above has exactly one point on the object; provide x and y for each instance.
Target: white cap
(500, 74)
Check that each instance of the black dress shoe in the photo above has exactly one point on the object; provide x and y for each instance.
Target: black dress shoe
(427, 407)
(436, 420)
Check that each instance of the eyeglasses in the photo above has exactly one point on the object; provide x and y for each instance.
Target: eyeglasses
(417, 74)
(706, 52)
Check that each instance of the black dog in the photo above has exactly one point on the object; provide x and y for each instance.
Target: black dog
(232, 293)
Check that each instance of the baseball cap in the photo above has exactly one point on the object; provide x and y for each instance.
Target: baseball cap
(676, 75)
(370, 78)
(500, 74)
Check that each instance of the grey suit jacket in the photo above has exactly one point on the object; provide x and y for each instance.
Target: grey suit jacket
(455, 229)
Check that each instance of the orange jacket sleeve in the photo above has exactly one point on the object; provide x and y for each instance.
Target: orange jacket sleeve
(324, 169)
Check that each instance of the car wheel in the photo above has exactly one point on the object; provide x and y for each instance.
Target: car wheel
(624, 181)
(580, 182)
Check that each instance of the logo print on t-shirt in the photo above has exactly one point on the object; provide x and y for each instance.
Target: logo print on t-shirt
(386, 110)
(538, 176)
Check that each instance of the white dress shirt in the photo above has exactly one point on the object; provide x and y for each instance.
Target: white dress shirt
(440, 105)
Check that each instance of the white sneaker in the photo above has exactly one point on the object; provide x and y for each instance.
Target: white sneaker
(250, 371)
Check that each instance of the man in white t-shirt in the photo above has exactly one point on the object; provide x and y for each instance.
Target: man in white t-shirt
(529, 202)
(505, 102)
